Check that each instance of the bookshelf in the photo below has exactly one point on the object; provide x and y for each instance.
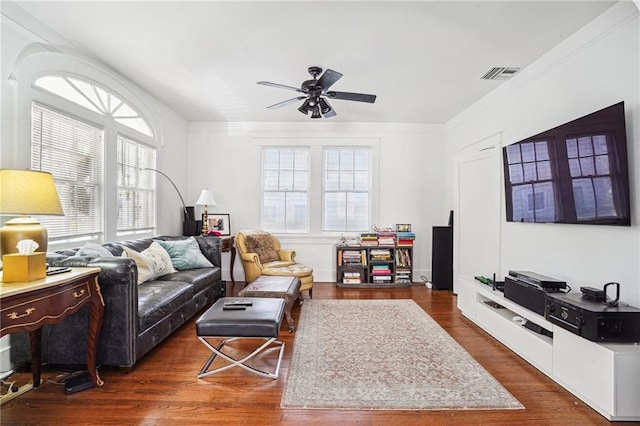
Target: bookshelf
(374, 266)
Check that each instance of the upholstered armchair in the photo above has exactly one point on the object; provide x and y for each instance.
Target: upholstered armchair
(261, 254)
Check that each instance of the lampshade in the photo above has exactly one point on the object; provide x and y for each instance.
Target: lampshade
(206, 198)
(26, 192)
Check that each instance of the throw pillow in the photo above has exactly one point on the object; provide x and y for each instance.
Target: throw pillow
(145, 270)
(93, 250)
(185, 254)
(152, 263)
(160, 260)
(261, 243)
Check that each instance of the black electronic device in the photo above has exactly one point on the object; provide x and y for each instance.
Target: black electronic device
(238, 303)
(593, 294)
(528, 289)
(77, 383)
(538, 280)
(442, 258)
(55, 271)
(596, 321)
(548, 179)
(234, 308)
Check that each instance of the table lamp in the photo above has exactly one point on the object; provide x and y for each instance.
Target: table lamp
(26, 192)
(205, 199)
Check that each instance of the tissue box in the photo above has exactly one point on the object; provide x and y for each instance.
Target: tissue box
(24, 267)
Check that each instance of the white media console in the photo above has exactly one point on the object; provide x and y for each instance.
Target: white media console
(604, 376)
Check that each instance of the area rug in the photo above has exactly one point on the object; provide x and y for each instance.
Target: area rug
(384, 355)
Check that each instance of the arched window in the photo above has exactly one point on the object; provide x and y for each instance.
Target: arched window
(95, 98)
(97, 146)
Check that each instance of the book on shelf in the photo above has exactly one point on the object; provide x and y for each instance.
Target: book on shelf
(382, 279)
(351, 274)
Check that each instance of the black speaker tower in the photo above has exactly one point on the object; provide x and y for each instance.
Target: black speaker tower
(442, 256)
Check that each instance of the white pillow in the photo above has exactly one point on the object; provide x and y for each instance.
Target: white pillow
(152, 263)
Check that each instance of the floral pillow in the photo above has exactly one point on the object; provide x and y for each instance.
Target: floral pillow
(152, 263)
(261, 243)
(185, 254)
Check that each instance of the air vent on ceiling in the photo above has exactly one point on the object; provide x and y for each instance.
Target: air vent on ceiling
(500, 73)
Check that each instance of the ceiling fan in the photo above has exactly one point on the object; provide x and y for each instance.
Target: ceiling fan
(316, 94)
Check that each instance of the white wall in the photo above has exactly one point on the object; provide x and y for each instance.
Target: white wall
(595, 68)
(20, 33)
(407, 186)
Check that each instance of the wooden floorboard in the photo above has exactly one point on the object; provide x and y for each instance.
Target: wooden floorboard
(163, 389)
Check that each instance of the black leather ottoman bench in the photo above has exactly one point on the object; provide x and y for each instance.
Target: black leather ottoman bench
(260, 319)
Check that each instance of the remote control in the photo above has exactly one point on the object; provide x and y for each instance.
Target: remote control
(234, 308)
(53, 271)
(238, 303)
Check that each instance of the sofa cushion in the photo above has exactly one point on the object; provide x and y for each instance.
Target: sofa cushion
(200, 278)
(159, 299)
(185, 254)
(262, 244)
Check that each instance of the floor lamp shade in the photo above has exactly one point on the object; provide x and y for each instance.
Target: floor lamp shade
(23, 193)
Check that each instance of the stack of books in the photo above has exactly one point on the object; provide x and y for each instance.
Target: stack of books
(369, 239)
(380, 254)
(353, 258)
(351, 278)
(386, 238)
(405, 238)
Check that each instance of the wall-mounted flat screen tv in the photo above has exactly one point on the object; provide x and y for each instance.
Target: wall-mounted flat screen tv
(574, 173)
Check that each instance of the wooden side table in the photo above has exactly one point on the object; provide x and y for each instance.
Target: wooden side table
(27, 306)
(227, 246)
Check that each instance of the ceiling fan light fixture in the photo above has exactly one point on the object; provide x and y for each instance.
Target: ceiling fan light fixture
(304, 108)
(315, 112)
(324, 106)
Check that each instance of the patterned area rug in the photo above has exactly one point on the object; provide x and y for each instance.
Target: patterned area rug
(384, 355)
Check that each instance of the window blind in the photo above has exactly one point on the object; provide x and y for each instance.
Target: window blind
(72, 151)
(347, 182)
(136, 191)
(285, 184)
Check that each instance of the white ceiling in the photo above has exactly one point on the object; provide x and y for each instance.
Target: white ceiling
(423, 59)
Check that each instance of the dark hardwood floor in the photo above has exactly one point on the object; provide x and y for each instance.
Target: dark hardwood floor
(163, 389)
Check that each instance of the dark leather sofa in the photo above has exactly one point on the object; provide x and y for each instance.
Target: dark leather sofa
(136, 317)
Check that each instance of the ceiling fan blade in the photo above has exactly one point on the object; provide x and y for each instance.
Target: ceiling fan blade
(347, 96)
(328, 79)
(287, 102)
(280, 86)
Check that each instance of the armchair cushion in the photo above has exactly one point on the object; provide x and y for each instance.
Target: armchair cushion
(262, 245)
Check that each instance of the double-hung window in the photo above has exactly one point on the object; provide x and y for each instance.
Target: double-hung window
(135, 187)
(285, 189)
(346, 184)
